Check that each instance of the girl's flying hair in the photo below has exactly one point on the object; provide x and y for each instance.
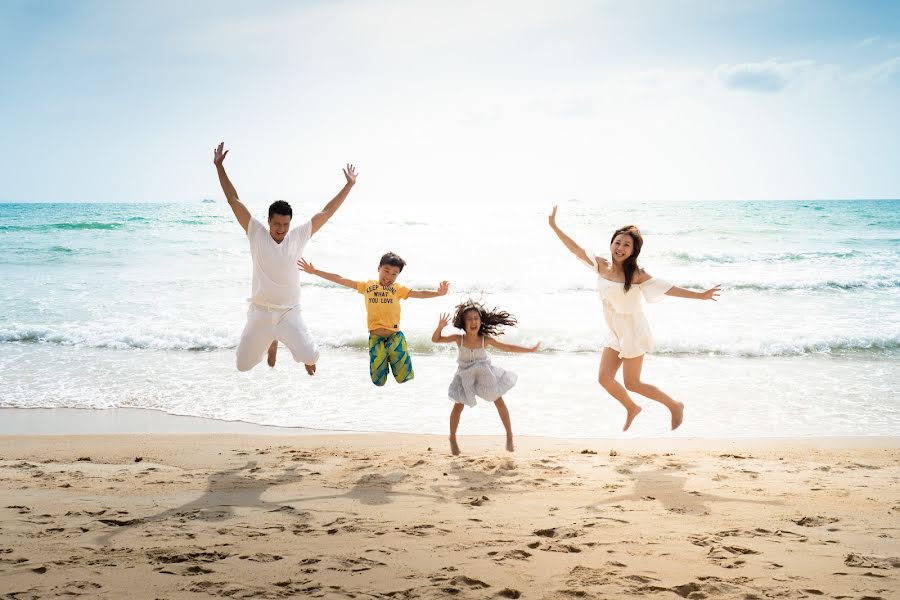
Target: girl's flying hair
(492, 320)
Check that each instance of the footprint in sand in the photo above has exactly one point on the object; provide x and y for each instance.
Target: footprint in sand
(814, 521)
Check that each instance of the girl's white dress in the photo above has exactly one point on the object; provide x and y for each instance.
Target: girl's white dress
(476, 376)
(629, 331)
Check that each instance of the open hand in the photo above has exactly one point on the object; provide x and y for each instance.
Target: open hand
(535, 348)
(443, 288)
(443, 321)
(552, 218)
(306, 267)
(712, 293)
(350, 174)
(219, 155)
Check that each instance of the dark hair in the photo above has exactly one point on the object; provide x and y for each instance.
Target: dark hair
(393, 260)
(280, 207)
(492, 319)
(630, 265)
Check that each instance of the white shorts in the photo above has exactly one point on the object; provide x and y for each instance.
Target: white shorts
(264, 325)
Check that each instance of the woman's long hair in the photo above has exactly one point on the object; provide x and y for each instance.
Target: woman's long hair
(630, 265)
(492, 319)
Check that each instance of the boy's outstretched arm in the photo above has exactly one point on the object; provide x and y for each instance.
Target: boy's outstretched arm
(574, 248)
(237, 207)
(326, 213)
(710, 294)
(334, 278)
(437, 338)
(511, 347)
(441, 291)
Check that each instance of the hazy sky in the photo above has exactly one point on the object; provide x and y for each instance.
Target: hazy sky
(485, 101)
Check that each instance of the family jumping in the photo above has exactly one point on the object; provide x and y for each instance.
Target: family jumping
(274, 313)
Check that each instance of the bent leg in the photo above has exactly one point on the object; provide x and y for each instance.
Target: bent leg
(378, 359)
(293, 333)
(507, 424)
(609, 366)
(632, 373)
(399, 358)
(256, 337)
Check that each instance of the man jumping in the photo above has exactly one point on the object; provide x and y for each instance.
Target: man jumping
(274, 313)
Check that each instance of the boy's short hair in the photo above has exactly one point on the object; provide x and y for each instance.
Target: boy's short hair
(280, 207)
(393, 260)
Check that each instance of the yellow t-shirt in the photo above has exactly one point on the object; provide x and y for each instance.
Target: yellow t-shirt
(382, 303)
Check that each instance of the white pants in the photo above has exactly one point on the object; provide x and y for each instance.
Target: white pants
(264, 325)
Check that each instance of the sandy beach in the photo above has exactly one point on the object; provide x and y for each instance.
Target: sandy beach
(394, 516)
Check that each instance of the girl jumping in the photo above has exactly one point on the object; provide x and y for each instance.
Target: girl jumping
(476, 376)
(618, 282)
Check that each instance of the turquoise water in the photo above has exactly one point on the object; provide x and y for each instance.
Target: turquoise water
(141, 305)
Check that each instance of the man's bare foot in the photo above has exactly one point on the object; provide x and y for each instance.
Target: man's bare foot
(677, 415)
(454, 447)
(632, 413)
(509, 445)
(311, 369)
(273, 350)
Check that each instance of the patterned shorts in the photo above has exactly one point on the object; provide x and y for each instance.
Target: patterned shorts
(392, 350)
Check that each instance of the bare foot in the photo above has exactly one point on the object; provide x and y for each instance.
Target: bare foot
(311, 369)
(454, 447)
(677, 415)
(273, 350)
(509, 445)
(632, 413)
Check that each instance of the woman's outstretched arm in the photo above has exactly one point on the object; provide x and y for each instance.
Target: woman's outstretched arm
(574, 248)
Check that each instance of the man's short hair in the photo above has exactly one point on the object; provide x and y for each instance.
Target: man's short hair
(393, 260)
(280, 207)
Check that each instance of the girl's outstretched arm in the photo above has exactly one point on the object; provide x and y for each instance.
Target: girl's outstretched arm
(308, 267)
(710, 294)
(437, 338)
(510, 347)
(574, 248)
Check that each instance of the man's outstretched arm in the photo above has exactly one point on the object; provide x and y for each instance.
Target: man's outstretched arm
(326, 213)
(240, 211)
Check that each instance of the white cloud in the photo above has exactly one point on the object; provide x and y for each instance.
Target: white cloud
(882, 71)
(868, 41)
(769, 76)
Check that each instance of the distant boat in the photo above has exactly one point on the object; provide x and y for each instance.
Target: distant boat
(208, 200)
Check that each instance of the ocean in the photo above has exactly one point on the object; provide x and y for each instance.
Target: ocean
(142, 305)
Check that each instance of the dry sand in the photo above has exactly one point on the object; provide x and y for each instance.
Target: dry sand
(394, 516)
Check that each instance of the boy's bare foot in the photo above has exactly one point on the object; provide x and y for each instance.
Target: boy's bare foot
(632, 413)
(311, 369)
(454, 447)
(677, 415)
(273, 350)
(509, 445)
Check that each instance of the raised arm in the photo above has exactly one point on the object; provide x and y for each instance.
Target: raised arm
(437, 338)
(326, 213)
(574, 248)
(441, 291)
(237, 207)
(332, 277)
(510, 347)
(710, 294)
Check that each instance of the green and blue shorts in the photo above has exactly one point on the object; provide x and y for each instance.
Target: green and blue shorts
(389, 352)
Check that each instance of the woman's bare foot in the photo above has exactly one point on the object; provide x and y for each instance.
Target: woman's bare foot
(509, 445)
(311, 369)
(677, 415)
(273, 350)
(632, 413)
(454, 447)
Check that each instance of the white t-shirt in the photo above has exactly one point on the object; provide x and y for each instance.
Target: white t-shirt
(276, 278)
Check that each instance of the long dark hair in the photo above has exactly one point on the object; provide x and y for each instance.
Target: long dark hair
(630, 265)
(492, 319)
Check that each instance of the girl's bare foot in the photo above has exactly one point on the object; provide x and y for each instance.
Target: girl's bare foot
(677, 415)
(454, 447)
(311, 369)
(632, 413)
(509, 445)
(273, 349)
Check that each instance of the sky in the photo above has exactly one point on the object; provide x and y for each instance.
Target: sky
(456, 102)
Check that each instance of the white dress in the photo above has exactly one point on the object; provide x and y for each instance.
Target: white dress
(629, 331)
(476, 376)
